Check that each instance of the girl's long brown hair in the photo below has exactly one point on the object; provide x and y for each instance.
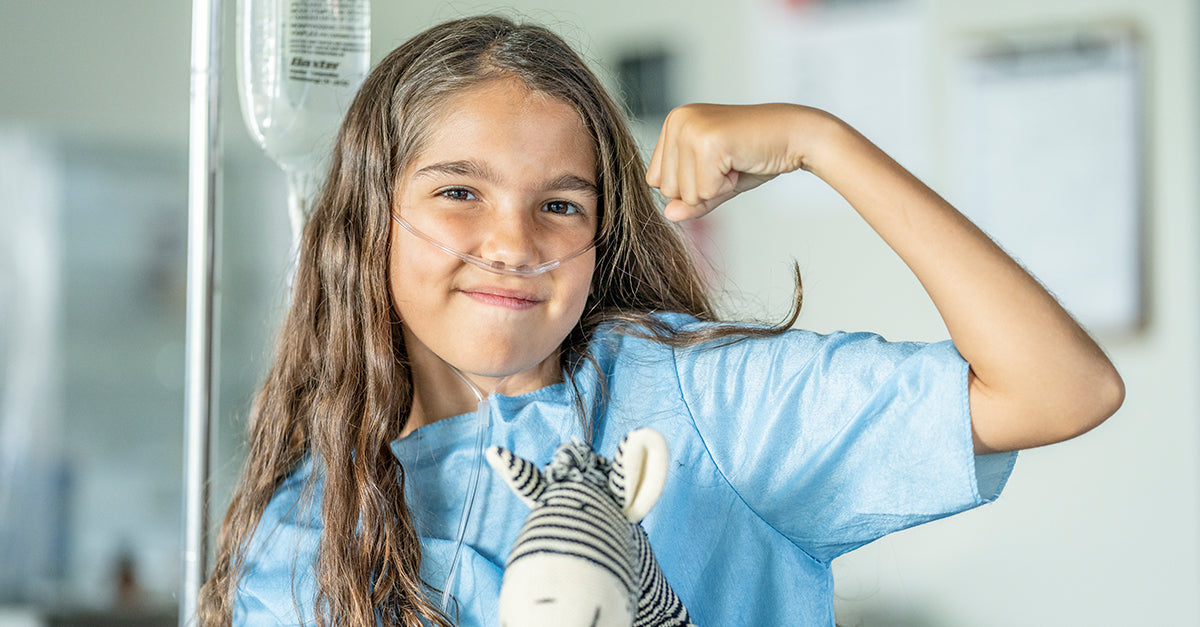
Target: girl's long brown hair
(340, 388)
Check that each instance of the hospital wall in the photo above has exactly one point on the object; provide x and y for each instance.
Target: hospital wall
(1102, 530)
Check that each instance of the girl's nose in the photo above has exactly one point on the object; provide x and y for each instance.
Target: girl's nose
(510, 238)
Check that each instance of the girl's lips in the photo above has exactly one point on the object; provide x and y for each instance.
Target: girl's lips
(508, 299)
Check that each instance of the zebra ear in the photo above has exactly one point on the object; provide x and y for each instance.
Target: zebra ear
(639, 472)
(521, 475)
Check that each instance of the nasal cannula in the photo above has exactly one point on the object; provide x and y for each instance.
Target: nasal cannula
(483, 420)
(496, 266)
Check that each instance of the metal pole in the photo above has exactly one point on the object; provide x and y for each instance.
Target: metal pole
(203, 169)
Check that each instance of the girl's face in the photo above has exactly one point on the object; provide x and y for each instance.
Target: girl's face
(510, 175)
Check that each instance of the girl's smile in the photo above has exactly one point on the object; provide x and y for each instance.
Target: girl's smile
(508, 175)
(505, 298)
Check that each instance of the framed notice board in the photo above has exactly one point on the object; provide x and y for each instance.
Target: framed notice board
(1046, 154)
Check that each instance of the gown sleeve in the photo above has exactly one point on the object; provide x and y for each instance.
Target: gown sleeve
(836, 440)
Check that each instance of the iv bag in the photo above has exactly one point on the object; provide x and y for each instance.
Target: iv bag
(299, 63)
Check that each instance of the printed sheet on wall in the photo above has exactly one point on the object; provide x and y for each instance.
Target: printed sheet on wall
(1045, 154)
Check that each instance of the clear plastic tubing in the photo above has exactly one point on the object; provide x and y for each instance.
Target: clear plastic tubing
(483, 421)
(498, 267)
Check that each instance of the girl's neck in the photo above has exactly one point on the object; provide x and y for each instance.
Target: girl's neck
(439, 392)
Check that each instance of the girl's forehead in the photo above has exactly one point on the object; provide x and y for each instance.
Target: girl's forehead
(504, 122)
(506, 100)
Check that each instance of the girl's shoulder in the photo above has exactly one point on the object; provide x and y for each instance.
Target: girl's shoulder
(280, 557)
(673, 329)
(686, 335)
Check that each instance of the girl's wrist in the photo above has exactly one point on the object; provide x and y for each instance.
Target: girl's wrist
(816, 138)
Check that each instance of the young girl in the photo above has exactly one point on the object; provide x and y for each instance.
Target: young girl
(487, 231)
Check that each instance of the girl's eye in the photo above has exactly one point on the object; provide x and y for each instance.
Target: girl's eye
(457, 193)
(562, 207)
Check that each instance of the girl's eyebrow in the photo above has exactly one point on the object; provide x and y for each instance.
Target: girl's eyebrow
(571, 183)
(470, 168)
(474, 169)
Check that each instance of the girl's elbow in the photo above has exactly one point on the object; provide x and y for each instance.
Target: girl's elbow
(1110, 394)
(1099, 398)
(1059, 411)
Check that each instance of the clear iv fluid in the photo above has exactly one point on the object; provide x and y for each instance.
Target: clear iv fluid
(299, 65)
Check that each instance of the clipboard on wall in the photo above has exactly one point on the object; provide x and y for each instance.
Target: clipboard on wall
(1046, 153)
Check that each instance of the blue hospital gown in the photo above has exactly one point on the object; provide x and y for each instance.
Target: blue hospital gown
(785, 453)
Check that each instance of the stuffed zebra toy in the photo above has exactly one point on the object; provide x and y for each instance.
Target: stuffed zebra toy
(582, 558)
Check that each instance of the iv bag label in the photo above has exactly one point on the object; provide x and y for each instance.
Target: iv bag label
(328, 41)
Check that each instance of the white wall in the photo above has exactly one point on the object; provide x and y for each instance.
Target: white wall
(117, 68)
(1099, 531)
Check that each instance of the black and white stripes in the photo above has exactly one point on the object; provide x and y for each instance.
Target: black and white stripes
(580, 510)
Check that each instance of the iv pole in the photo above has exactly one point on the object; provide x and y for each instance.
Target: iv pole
(203, 213)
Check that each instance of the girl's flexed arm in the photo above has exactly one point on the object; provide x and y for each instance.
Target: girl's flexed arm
(1036, 377)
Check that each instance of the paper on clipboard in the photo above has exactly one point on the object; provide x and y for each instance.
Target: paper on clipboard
(1045, 146)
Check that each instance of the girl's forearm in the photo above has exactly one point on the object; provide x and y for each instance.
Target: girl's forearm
(1036, 377)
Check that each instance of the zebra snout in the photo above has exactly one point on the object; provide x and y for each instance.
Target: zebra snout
(561, 591)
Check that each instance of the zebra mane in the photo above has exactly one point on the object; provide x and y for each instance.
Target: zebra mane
(576, 462)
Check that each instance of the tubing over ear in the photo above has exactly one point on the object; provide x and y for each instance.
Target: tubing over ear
(522, 476)
(639, 472)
